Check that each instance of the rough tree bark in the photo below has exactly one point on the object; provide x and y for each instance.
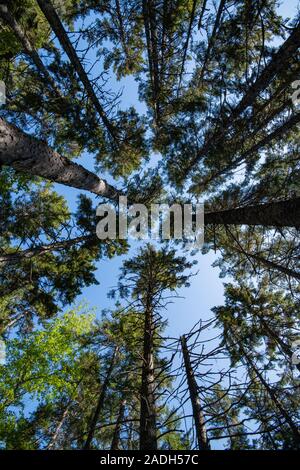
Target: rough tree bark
(284, 213)
(194, 397)
(25, 153)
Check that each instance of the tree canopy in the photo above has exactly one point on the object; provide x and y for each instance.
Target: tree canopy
(214, 120)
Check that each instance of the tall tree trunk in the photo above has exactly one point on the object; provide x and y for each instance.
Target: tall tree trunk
(148, 438)
(203, 9)
(58, 428)
(151, 41)
(11, 258)
(212, 39)
(115, 444)
(271, 333)
(261, 260)
(25, 153)
(294, 428)
(100, 403)
(122, 33)
(274, 266)
(11, 323)
(57, 26)
(194, 397)
(276, 134)
(276, 65)
(185, 49)
(28, 48)
(284, 213)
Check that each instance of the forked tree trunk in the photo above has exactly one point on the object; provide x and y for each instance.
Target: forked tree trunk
(194, 397)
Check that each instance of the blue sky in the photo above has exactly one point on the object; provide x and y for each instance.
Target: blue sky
(206, 290)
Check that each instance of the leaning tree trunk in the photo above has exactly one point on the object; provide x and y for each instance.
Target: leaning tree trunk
(284, 213)
(293, 427)
(115, 444)
(148, 438)
(57, 26)
(28, 48)
(276, 134)
(18, 256)
(25, 153)
(185, 49)
(211, 41)
(277, 64)
(100, 404)
(284, 347)
(11, 323)
(58, 428)
(270, 264)
(194, 397)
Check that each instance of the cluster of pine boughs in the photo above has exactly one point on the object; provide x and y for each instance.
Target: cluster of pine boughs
(217, 79)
